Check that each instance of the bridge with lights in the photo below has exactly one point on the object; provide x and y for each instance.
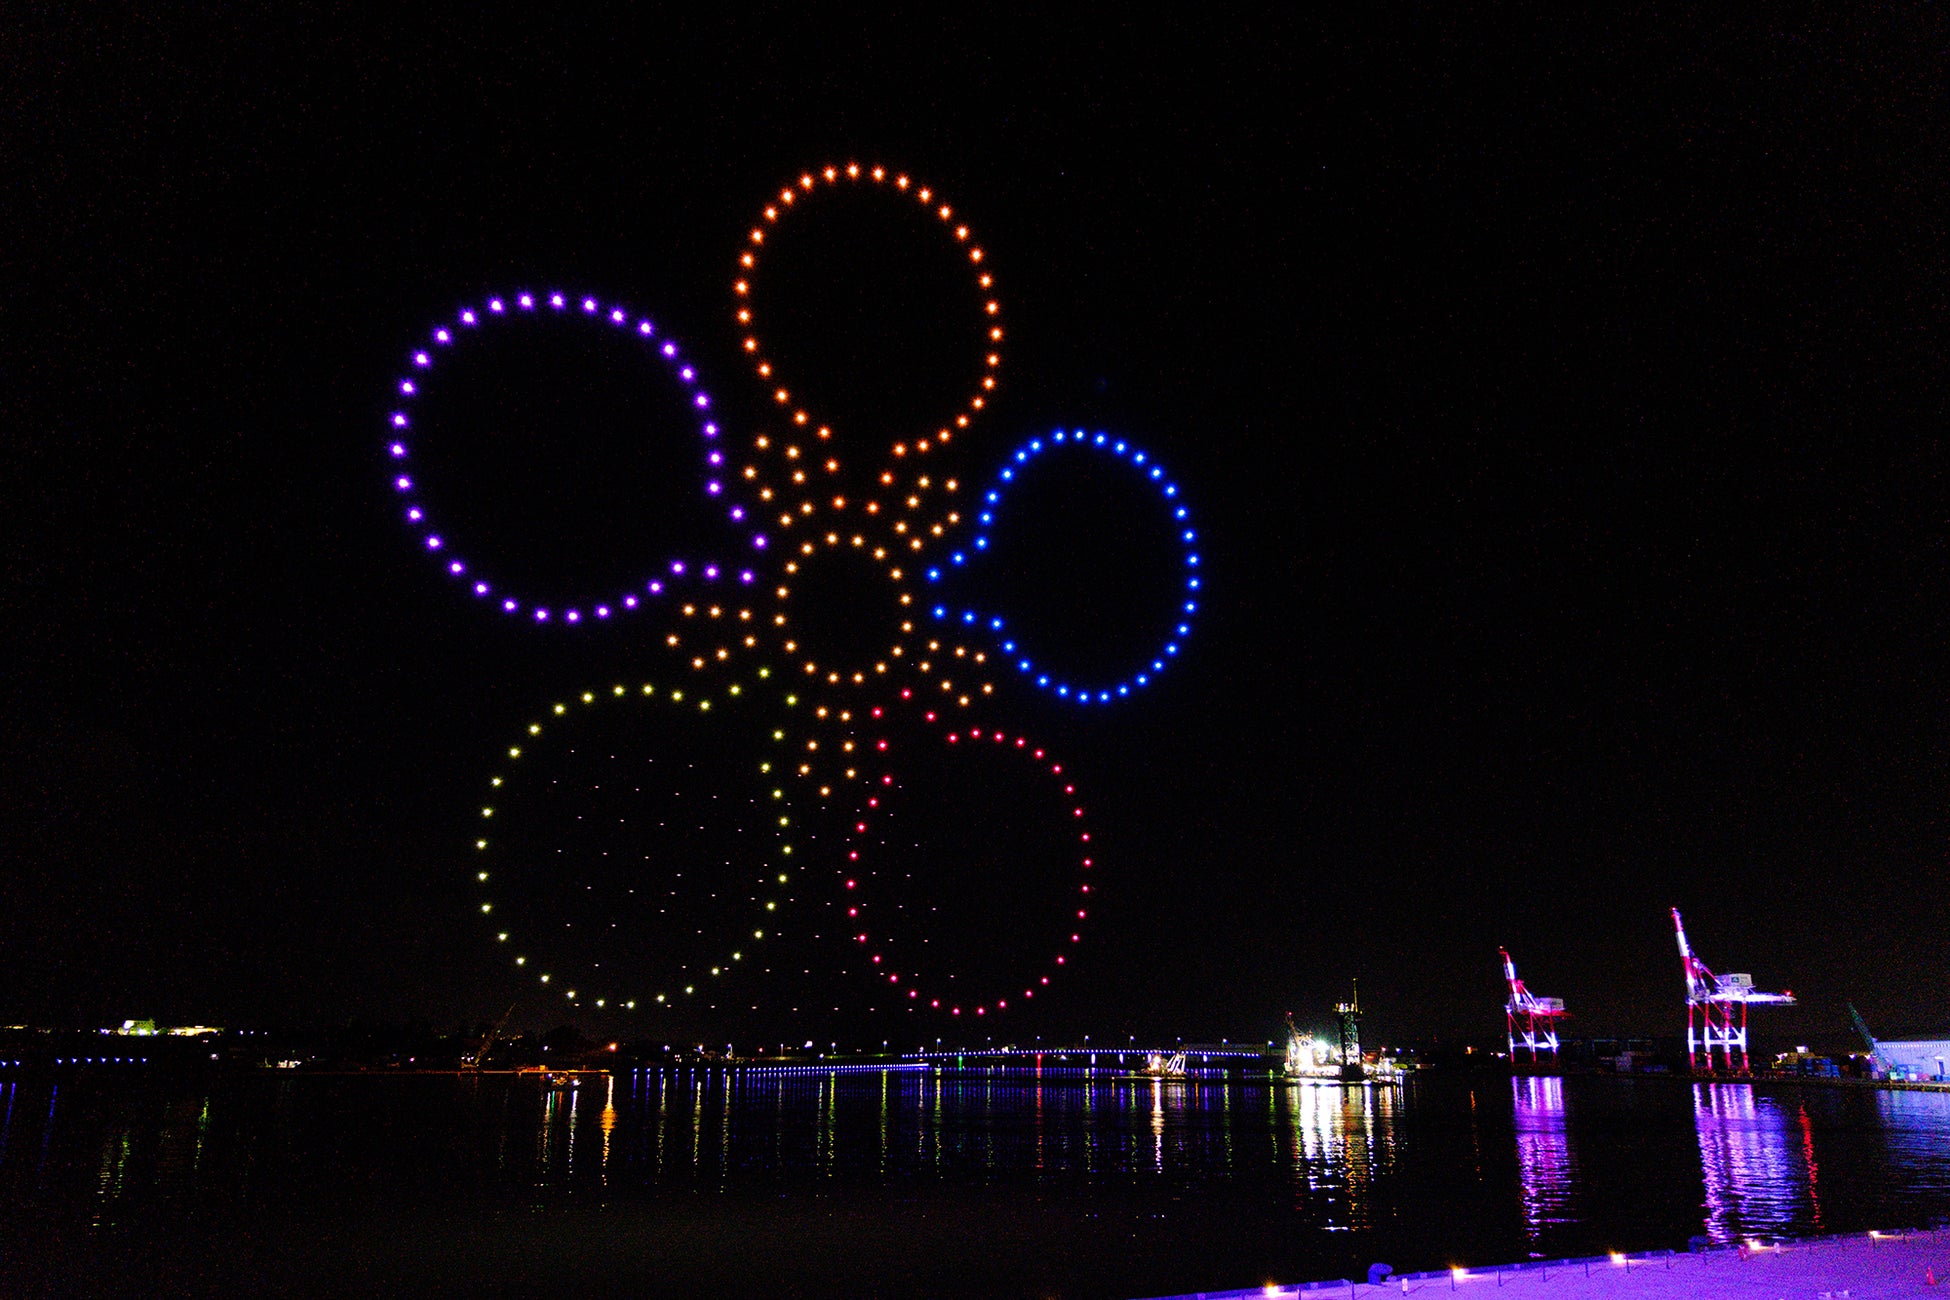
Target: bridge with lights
(1189, 1060)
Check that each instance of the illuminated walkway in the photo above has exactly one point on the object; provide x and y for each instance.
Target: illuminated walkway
(1867, 1267)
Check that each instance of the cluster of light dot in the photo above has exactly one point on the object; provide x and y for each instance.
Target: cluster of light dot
(436, 541)
(994, 625)
(484, 876)
(906, 984)
(793, 482)
(794, 197)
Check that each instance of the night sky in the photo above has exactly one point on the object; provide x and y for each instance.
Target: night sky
(1561, 407)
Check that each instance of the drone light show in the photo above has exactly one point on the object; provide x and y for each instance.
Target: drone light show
(987, 329)
(444, 539)
(976, 815)
(1026, 662)
(850, 649)
(622, 860)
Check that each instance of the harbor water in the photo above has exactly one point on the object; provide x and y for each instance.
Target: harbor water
(913, 1182)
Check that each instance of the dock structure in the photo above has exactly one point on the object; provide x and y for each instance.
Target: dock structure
(1864, 1266)
(1912, 1060)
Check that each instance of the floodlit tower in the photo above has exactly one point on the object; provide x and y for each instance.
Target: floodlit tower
(1711, 999)
(1537, 1016)
(1349, 1014)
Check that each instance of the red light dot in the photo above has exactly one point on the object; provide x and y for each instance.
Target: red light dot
(849, 884)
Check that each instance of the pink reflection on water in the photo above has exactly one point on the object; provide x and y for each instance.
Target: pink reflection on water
(1546, 1169)
(1758, 1180)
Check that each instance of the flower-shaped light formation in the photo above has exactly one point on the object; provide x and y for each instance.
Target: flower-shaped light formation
(1026, 663)
(439, 541)
(745, 636)
(771, 878)
(899, 969)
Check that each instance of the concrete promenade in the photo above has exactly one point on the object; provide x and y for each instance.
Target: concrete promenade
(1867, 1266)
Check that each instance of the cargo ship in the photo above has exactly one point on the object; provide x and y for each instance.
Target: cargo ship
(1318, 1060)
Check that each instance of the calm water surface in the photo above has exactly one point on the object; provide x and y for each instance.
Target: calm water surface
(913, 1184)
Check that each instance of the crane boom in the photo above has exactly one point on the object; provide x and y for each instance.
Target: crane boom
(487, 1043)
(1875, 1049)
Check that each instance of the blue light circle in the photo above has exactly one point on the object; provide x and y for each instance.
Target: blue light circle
(1027, 665)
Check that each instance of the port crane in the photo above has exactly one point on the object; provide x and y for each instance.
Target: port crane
(1877, 1057)
(1710, 1000)
(1528, 1019)
(487, 1044)
(1306, 1058)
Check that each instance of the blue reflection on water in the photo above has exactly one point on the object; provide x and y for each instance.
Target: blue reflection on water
(1917, 1128)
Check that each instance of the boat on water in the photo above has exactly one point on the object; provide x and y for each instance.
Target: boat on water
(1322, 1061)
(1159, 1066)
(560, 1080)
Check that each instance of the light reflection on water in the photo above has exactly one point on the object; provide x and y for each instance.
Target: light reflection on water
(1547, 1170)
(1918, 1145)
(1564, 1166)
(1758, 1178)
(1339, 1142)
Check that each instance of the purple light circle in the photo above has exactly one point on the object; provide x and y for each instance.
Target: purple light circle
(470, 322)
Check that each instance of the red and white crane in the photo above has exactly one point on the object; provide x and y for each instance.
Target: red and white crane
(1528, 1019)
(1710, 1000)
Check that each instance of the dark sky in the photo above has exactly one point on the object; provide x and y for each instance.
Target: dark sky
(1561, 406)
